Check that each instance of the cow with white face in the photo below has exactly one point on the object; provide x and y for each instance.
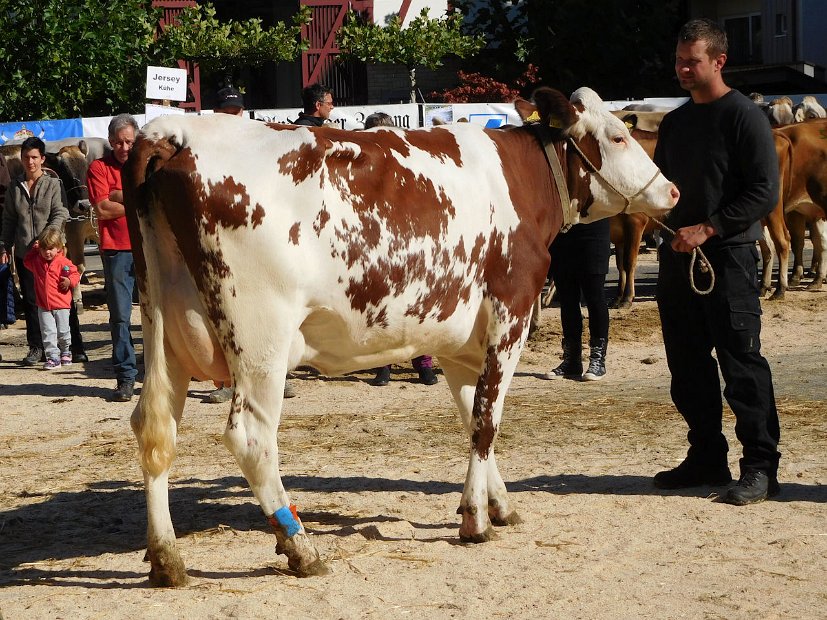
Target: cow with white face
(259, 248)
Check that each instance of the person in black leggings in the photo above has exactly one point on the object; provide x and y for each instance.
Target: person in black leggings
(579, 264)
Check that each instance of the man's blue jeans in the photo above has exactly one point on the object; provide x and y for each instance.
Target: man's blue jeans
(119, 271)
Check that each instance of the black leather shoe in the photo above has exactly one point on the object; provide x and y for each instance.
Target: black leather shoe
(427, 376)
(79, 357)
(383, 377)
(123, 393)
(753, 487)
(688, 474)
(34, 356)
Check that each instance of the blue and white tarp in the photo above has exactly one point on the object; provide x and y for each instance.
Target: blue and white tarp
(45, 130)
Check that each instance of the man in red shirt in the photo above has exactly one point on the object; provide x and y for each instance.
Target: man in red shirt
(106, 196)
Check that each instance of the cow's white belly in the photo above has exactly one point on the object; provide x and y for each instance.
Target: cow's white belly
(339, 342)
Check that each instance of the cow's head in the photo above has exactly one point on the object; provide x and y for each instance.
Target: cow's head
(600, 152)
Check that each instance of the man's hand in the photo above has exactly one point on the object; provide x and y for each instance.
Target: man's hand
(690, 237)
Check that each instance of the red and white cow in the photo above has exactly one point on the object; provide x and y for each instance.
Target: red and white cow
(802, 162)
(263, 247)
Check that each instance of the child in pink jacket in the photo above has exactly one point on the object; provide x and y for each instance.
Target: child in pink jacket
(54, 278)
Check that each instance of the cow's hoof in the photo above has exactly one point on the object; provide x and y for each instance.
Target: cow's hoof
(814, 286)
(778, 294)
(316, 568)
(795, 281)
(488, 535)
(510, 519)
(168, 576)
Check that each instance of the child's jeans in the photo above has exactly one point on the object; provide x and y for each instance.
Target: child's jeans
(54, 328)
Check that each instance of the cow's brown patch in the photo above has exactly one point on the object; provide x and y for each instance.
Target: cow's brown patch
(486, 394)
(322, 218)
(303, 162)
(294, 233)
(439, 143)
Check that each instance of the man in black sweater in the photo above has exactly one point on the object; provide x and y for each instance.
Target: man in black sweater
(317, 101)
(718, 149)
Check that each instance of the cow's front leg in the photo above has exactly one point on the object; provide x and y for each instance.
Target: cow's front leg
(250, 435)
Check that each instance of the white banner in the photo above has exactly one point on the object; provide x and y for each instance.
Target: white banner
(405, 115)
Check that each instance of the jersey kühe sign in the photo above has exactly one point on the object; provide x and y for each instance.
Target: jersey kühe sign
(166, 83)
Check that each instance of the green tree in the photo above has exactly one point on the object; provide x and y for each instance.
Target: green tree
(423, 42)
(64, 58)
(225, 47)
(67, 58)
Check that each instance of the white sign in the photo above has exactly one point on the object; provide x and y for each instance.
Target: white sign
(152, 111)
(166, 83)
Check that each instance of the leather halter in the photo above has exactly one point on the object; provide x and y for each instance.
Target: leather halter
(571, 216)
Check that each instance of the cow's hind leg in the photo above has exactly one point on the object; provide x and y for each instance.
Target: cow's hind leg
(479, 396)
(251, 436)
(155, 422)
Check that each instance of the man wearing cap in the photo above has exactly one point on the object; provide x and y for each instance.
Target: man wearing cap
(230, 101)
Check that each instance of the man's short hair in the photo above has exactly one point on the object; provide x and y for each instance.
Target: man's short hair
(229, 97)
(312, 94)
(705, 29)
(33, 142)
(120, 121)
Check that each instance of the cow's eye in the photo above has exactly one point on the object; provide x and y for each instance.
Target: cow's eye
(618, 140)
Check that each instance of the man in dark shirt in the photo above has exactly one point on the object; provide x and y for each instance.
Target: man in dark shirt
(718, 149)
(318, 104)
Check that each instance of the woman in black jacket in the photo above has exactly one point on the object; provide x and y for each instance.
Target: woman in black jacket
(579, 264)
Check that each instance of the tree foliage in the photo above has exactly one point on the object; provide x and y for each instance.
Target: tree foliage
(63, 58)
(621, 48)
(223, 47)
(478, 88)
(424, 42)
(68, 58)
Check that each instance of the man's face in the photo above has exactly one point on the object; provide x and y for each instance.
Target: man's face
(32, 162)
(325, 107)
(693, 66)
(122, 143)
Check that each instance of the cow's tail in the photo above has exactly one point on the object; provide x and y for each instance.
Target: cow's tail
(154, 421)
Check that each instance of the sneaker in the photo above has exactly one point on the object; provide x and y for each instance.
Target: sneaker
(753, 487)
(66, 359)
(80, 357)
(382, 378)
(35, 355)
(51, 364)
(123, 393)
(289, 390)
(689, 474)
(221, 395)
(427, 376)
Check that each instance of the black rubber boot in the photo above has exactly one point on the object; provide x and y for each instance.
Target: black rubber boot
(572, 364)
(597, 360)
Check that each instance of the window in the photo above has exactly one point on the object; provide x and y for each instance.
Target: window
(780, 25)
(744, 35)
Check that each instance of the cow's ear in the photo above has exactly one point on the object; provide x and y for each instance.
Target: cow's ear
(630, 120)
(554, 108)
(83, 148)
(526, 110)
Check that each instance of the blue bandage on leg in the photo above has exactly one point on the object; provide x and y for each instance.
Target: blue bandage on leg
(287, 521)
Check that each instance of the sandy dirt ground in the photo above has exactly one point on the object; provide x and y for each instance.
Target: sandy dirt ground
(377, 475)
